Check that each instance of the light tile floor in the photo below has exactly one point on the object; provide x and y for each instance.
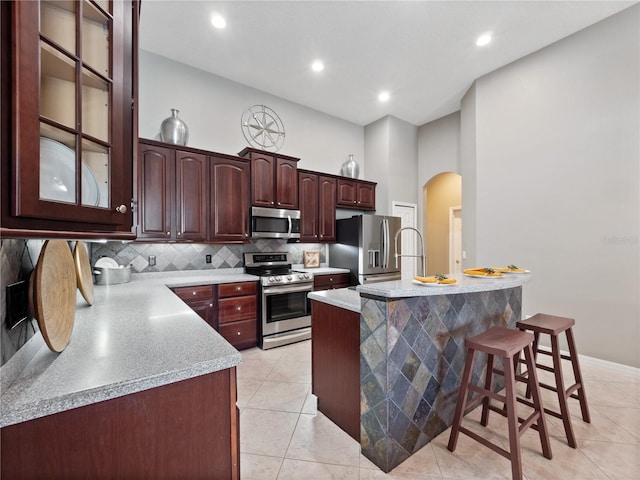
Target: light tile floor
(283, 436)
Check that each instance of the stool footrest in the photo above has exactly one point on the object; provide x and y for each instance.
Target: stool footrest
(524, 422)
(487, 393)
(486, 442)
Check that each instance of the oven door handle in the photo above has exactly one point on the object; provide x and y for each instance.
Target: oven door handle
(287, 289)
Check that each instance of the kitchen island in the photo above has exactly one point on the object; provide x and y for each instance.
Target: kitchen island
(145, 389)
(411, 355)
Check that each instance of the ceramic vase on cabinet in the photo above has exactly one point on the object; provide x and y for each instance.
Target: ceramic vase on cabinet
(174, 130)
(350, 168)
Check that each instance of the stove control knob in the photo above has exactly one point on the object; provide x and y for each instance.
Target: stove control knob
(271, 279)
(278, 278)
(301, 276)
(289, 278)
(307, 276)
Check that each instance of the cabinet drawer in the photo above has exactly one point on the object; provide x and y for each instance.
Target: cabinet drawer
(236, 289)
(335, 280)
(236, 308)
(240, 334)
(200, 292)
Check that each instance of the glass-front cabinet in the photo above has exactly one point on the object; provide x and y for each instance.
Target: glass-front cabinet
(72, 134)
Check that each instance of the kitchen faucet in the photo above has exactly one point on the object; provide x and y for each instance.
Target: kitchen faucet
(422, 258)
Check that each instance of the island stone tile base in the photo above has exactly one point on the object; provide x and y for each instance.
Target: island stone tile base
(411, 360)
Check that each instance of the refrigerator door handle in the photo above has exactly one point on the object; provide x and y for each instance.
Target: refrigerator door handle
(385, 244)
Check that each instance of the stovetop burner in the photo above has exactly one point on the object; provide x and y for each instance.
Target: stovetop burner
(274, 269)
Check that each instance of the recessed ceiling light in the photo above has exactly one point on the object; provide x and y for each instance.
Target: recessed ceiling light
(218, 21)
(383, 96)
(483, 39)
(317, 66)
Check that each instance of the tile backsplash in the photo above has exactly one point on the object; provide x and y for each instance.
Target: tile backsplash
(192, 256)
(18, 258)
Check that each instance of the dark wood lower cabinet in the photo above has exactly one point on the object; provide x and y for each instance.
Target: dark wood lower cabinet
(335, 365)
(188, 429)
(330, 281)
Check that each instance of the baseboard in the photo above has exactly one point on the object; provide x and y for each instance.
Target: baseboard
(597, 362)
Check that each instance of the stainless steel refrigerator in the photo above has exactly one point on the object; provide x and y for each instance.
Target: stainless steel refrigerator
(365, 244)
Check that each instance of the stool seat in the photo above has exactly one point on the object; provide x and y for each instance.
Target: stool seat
(507, 344)
(547, 324)
(552, 325)
(500, 341)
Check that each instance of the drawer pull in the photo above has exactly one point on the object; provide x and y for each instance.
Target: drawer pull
(193, 293)
(238, 288)
(238, 308)
(238, 333)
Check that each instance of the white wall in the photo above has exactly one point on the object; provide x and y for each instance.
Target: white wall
(402, 166)
(212, 106)
(391, 151)
(438, 152)
(557, 149)
(376, 150)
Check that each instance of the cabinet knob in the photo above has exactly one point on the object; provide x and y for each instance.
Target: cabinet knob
(193, 293)
(168, 233)
(211, 304)
(238, 288)
(238, 309)
(179, 233)
(238, 333)
(121, 209)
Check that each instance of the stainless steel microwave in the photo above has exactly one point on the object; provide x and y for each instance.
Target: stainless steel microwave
(274, 223)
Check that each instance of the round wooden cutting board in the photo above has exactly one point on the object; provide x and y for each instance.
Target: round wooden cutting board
(83, 272)
(54, 294)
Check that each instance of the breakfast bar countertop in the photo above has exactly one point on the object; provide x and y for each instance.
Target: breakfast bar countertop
(136, 336)
(464, 284)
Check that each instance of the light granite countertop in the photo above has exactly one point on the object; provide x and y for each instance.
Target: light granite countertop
(464, 284)
(136, 336)
(321, 270)
(349, 298)
(340, 297)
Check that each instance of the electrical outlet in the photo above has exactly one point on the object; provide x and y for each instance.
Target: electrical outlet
(207, 258)
(152, 260)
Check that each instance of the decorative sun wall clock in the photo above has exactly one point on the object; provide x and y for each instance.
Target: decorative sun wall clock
(263, 128)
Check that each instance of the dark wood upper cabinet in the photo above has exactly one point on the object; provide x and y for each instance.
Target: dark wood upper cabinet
(67, 123)
(155, 192)
(308, 194)
(317, 194)
(326, 208)
(192, 195)
(173, 193)
(229, 207)
(357, 194)
(274, 179)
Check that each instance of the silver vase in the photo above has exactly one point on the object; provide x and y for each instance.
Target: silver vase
(174, 130)
(350, 168)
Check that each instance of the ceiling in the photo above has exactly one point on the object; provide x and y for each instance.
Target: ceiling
(422, 52)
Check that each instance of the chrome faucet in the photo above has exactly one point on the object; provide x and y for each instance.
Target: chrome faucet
(422, 258)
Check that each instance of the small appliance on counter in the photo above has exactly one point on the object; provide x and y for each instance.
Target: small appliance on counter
(106, 271)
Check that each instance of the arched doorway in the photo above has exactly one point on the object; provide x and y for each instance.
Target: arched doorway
(442, 203)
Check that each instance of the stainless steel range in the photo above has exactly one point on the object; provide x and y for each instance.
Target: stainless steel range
(285, 310)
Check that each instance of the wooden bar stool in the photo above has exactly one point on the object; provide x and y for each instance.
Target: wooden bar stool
(554, 326)
(507, 344)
